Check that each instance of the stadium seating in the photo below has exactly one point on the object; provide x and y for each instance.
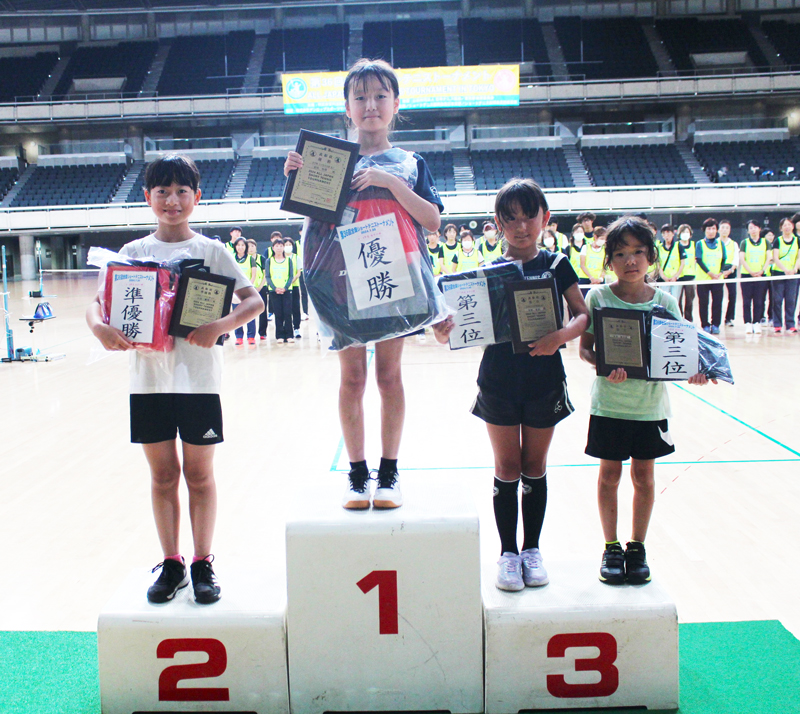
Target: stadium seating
(265, 178)
(486, 41)
(636, 165)
(748, 161)
(547, 166)
(688, 35)
(7, 179)
(310, 48)
(206, 64)
(215, 177)
(136, 194)
(70, 185)
(592, 48)
(24, 76)
(783, 36)
(441, 165)
(127, 59)
(406, 43)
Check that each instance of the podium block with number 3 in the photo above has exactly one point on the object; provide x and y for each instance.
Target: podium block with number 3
(577, 643)
(384, 608)
(185, 657)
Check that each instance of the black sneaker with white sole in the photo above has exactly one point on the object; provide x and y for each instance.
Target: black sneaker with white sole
(637, 572)
(357, 495)
(387, 494)
(204, 582)
(172, 579)
(612, 569)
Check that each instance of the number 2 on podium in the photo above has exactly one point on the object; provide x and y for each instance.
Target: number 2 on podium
(386, 582)
(168, 690)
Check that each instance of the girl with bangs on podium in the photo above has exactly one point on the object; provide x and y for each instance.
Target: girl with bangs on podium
(522, 397)
(389, 174)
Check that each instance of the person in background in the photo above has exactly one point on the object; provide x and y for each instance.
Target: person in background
(561, 240)
(450, 247)
(573, 252)
(593, 255)
(769, 235)
(688, 274)
(492, 247)
(435, 252)
(549, 241)
(785, 257)
(258, 280)
(730, 274)
(279, 280)
(235, 233)
(469, 257)
(712, 260)
(587, 219)
(247, 266)
(754, 259)
(290, 253)
(671, 261)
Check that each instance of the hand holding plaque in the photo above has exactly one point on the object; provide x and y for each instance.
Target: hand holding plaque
(620, 340)
(202, 298)
(535, 311)
(319, 188)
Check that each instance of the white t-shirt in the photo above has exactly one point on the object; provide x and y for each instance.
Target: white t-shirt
(187, 369)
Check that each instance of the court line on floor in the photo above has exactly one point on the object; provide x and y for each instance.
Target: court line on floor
(594, 465)
(340, 447)
(743, 423)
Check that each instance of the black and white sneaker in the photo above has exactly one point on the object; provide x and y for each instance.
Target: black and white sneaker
(612, 570)
(637, 572)
(204, 582)
(172, 579)
(387, 494)
(357, 496)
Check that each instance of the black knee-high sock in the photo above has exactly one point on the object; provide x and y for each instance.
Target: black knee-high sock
(505, 514)
(534, 504)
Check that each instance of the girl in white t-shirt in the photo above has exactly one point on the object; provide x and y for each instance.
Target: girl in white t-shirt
(178, 392)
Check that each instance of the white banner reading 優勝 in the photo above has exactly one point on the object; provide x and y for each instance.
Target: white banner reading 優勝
(377, 268)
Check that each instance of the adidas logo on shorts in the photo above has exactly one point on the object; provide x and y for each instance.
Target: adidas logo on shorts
(210, 434)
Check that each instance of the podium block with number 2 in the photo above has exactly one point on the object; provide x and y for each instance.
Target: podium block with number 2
(384, 608)
(184, 657)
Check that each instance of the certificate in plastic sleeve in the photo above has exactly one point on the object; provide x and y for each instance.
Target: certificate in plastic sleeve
(319, 188)
(202, 298)
(620, 341)
(534, 310)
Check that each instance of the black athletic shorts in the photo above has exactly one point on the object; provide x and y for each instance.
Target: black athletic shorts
(159, 417)
(621, 439)
(536, 413)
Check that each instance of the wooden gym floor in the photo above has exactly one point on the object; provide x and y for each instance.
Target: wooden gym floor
(74, 493)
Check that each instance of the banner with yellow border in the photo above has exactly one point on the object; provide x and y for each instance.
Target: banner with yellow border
(425, 88)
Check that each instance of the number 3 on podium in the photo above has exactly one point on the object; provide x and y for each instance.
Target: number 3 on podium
(603, 663)
(386, 582)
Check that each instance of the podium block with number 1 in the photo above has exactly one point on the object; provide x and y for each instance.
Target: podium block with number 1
(384, 607)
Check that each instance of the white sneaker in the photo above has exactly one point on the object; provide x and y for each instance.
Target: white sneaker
(533, 572)
(509, 572)
(757, 329)
(356, 498)
(387, 494)
(748, 328)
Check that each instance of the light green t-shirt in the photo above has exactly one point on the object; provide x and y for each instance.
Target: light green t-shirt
(635, 399)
